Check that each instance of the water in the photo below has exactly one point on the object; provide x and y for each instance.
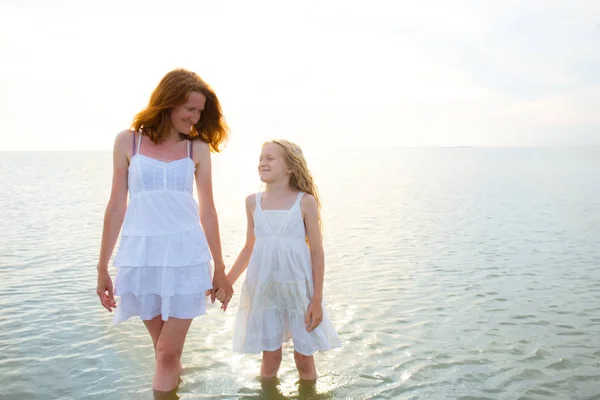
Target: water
(450, 274)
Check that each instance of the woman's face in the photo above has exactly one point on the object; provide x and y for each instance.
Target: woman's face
(188, 114)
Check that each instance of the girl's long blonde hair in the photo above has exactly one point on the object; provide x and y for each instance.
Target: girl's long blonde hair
(300, 178)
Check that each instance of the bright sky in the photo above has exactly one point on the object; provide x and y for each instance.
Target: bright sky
(356, 73)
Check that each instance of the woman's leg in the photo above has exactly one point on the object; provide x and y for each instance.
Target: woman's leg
(271, 360)
(169, 347)
(154, 327)
(306, 366)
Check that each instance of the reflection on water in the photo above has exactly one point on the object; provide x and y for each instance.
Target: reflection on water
(269, 389)
(272, 389)
(172, 395)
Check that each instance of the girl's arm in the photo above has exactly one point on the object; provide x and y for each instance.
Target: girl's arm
(241, 263)
(208, 215)
(314, 314)
(315, 239)
(113, 216)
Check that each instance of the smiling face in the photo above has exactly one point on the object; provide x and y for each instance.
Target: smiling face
(272, 167)
(188, 114)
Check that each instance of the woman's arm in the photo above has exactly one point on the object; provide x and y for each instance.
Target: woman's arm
(208, 215)
(241, 263)
(113, 216)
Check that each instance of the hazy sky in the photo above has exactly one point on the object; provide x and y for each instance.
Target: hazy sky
(357, 73)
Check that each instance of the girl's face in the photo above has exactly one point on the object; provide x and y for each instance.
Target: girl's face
(272, 167)
(188, 114)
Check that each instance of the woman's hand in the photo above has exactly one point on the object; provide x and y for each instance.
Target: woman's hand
(221, 286)
(104, 290)
(314, 315)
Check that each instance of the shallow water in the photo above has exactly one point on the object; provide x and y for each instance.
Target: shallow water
(451, 274)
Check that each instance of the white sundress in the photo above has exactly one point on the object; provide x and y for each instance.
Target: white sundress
(163, 261)
(278, 288)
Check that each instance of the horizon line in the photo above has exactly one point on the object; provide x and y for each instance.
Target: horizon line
(350, 147)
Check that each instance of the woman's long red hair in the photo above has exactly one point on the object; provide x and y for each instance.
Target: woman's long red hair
(172, 91)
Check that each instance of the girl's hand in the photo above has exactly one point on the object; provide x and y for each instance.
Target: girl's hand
(314, 315)
(221, 295)
(104, 290)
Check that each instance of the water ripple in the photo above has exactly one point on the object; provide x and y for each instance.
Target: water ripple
(450, 275)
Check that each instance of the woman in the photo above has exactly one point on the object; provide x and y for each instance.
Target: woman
(163, 260)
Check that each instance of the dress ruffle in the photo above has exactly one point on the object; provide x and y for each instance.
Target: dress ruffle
(147, 307)
(177, 292)
(273, 313)
(173, 250)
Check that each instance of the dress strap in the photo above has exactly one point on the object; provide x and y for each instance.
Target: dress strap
(259, 217)
(139, 142)
(298, 198)
(258, 197)
(190, 149)
(133, 144)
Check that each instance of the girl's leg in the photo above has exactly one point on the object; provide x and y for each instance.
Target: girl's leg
(306, 366)
(271, 360)
(168, 353)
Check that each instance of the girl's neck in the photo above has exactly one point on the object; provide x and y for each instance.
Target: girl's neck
(278, 188)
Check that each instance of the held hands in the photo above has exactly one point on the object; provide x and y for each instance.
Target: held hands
(314, 315)
(104, 290)
(222, 290)
(221, 295)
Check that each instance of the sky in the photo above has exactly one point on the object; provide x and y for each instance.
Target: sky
(322, 73)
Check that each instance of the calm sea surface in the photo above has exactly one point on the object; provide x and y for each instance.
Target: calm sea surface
(453, 273)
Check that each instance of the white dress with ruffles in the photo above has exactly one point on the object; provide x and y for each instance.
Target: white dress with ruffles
(278, 288)
(163, 260)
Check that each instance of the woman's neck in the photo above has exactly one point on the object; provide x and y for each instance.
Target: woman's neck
(173, 136)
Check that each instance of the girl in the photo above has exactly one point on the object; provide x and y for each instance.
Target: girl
(163, 258)
(282, 296)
